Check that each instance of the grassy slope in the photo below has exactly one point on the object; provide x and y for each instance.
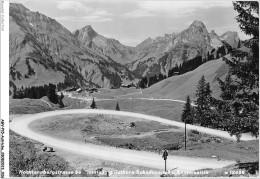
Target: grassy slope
(27, 106)
(178, 87)
(165, 109)
(32, 106)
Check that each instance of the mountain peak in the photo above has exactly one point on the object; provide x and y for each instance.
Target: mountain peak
(88, 27)
(198, 24)
(213, 33)
(88, 31)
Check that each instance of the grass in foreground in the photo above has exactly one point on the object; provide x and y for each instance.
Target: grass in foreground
(25, 156)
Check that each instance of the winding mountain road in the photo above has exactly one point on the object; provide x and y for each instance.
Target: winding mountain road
(140, 158)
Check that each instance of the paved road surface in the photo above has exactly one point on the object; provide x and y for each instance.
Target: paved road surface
(140, 158)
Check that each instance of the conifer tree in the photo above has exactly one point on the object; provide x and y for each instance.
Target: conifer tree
(208, 94)
(208, 56)
(203, 101)
(93, 104)
(187, 113)
(245, 65)
(217, 56)
(143, 82)
(51, 93)
(117, 107)
(227, 88)
(201, 93)
(243, 105)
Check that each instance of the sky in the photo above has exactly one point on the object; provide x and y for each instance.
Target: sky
(132, 21)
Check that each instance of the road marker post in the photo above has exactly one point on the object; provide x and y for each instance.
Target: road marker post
(185, 134)
(164, 156)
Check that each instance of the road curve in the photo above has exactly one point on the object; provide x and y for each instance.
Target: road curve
(140, 158)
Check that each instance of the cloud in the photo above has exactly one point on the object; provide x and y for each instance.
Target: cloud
(138, 13)
(173, 8)
(180, 6)
(91, 18)
(89, 14)
(101, 13)
(74, 5)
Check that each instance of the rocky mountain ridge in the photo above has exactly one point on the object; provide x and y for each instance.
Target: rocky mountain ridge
(102, 45)
(159, 54)
(42, 51)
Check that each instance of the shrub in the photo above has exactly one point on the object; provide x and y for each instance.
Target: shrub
(174, 146)
(195, 131)
(132, 124)
(128, 146)
(205, 140)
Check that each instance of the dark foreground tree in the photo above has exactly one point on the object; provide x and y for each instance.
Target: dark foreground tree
(244, 65)
(93, 104)
(228, 89)
(203, 101)
(187, 113)
(117, 107)
(242, 103)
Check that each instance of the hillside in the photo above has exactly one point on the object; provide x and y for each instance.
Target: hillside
(178, 87)
(42, 51)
